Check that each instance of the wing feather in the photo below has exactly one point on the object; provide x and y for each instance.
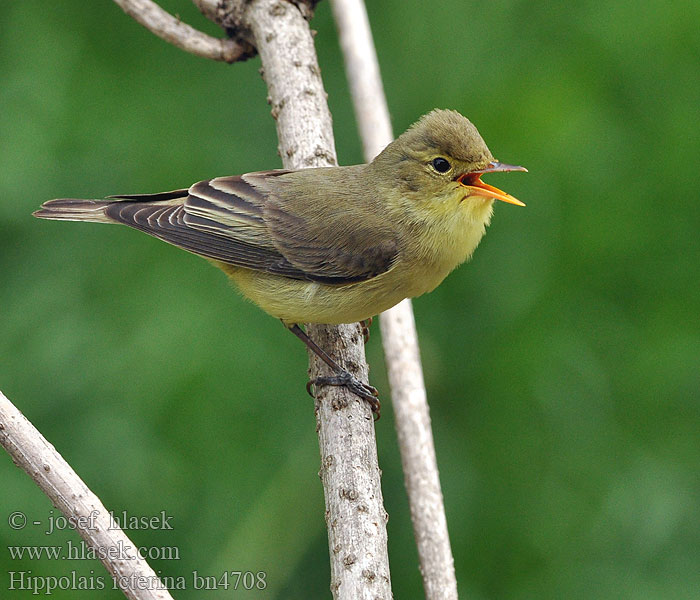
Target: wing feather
(260, 221)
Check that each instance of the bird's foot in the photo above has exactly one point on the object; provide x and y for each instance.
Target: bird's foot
(363, 390)
(366, 324)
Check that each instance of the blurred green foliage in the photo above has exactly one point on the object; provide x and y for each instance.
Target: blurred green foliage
(562, 363)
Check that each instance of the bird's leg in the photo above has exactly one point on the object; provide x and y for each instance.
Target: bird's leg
(366, 324)
(341, 377)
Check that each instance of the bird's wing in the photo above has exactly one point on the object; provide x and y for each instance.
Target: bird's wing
(241, 221)
(220, 219)
(327, 243)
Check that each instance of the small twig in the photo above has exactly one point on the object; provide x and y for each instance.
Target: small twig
(174, 31)
(398, 328)
(38, 458)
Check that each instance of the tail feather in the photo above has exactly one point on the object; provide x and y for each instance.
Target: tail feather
(72, 209)
(157, 197)
(75, 209)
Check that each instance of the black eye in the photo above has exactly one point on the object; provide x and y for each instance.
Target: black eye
(441, 165)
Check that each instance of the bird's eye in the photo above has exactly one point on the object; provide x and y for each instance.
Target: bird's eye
(441, 165)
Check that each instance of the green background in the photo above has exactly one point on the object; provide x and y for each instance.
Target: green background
(562, 363)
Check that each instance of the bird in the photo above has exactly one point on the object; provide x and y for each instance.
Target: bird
(335, 244)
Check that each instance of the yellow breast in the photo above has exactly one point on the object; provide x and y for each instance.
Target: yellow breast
(439, 245)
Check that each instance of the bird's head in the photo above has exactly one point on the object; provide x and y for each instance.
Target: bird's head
(441, 158)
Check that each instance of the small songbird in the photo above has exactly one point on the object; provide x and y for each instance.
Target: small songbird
(335, 244)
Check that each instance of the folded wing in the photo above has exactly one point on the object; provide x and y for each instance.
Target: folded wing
(237, 220)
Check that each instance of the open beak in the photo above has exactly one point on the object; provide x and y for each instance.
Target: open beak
(479, 188)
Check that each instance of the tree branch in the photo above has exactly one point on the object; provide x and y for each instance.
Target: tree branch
(179, 34)
(398, 328)
(350, 473)
(38, 458)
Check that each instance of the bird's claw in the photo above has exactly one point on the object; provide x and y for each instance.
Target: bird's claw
(310, 388)
(363, 390)
(365, 324)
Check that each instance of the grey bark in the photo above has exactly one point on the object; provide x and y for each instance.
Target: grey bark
(174, 31)
(38, 458)
(350, 473)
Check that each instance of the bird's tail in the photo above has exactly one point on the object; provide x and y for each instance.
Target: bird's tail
(73, 209)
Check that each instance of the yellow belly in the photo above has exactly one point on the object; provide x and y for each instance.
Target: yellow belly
(295, 301)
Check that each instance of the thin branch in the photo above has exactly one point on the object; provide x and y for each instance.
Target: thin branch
(398, 328)
(417, 448)
(362, 67)
(38, 458)
(179, 34)
(350, 473)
